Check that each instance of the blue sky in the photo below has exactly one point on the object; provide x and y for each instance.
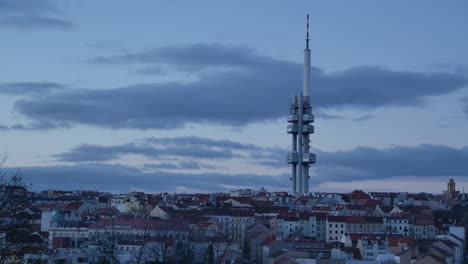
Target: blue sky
(192, 96)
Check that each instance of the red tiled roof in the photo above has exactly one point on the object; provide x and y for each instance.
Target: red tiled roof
(321, 208)
(358, 194)
(450, 243)
(333, 218)
(394, 241)
(47, 206)
(369, 202)
(354, 207)
(104, 211)
(355, 219)
(72, 206)
(456, 237)
(423, 221)
(417, 197)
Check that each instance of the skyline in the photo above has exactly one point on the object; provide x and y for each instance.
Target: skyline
(160, 97)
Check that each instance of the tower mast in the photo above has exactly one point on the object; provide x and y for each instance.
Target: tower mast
(307, 65)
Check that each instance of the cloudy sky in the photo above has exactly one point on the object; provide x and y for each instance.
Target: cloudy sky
(192, 96)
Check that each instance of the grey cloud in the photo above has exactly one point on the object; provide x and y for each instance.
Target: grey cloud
(326, 116)
(368, 162)
(364, 118)
(184, 165)
(372, 163)
(29, 88)
(200, 141)
(196, 57)
(166, 166)
(86, 152)
(118, 178)
(354, 165)
(30, 127)
(32, 14)
(363, 163)
(260, 91)
(465, 103)
(156, 70)
(182, 147)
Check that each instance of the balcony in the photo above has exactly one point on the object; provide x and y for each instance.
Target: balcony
(308, 118)
(293, 129)
(293, 118)
(292, 158)
(308, 158)
(307, 129)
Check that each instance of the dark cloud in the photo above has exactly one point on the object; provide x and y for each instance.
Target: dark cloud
(259, 88)
(193, 58)
(372, 163)
(200, 141)
(326, 116)
(119, 178)
(165, 166)
(156, 70)
(157, 148)
(31, 127)
(86, 152)
(184, 165)
(29, 88)
(362, 163)
(465, 105)
(32, 14)
(364, 118)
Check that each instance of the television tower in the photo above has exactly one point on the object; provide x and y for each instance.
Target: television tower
(300, 128)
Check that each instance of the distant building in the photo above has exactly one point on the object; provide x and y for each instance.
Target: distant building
(451, 188)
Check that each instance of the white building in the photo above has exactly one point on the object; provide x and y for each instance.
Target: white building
(336, 227)
(397, 225)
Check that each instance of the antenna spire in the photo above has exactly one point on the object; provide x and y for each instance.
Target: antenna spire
(307, 36)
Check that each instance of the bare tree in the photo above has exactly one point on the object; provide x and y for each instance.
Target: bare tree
(14, 231)
(163, 240)
(107, 243)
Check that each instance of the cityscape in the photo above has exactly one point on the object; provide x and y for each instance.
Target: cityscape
(240, 226)
(164, 132)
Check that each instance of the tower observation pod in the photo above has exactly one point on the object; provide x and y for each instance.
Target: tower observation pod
(300, 128)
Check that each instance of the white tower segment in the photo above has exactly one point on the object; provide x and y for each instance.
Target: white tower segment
(301, 119)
